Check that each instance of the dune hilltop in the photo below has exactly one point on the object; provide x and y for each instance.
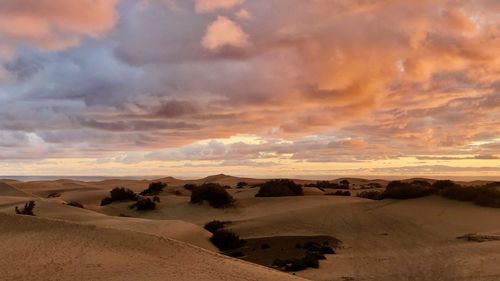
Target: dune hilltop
(426, 238)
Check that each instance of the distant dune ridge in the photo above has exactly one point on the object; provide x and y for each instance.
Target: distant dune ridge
(391, 240)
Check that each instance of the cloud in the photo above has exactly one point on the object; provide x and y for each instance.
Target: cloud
(208, 6)
(52, 25)
(326, 81)
(224, 32)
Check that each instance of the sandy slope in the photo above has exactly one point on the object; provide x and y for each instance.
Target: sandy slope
(383, 240)
(40, 249)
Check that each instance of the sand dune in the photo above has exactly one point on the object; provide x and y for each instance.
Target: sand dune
(40, 249)
(390, 240)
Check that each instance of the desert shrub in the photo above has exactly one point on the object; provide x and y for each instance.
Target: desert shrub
(265, 246)
(241, 184)
(156, 199)
(404, 190)
(54, 195)
(27, 209)
(310, 261)
(421, 183)
(190, 186)
(340, 193)
(295, 265)
(75, 204)
(344, 184)
(487, 195)
(144, 204)
(279, 263)
(226, 240)
(236, 254)
(444, 184)
(325, 185)
(214, 225)
(119, 194)
(278, 188)
(374, 185)
(216, 195)
(458, 192)
(371, 194)
(155, 188)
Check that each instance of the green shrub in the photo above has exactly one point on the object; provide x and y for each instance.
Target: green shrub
(215, 194)
(155, 188)
(27, 210)
(278, 188)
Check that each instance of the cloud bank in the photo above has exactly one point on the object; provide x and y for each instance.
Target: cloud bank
(324, 81)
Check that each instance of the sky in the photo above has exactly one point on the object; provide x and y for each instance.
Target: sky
(270, 88)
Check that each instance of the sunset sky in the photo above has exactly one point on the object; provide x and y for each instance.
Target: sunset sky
(264, 88)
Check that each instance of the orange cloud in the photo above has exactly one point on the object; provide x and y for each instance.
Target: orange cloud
(53, 24)
(224, 32)
(207, 6)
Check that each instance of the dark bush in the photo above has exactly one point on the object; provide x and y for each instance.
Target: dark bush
(241, 184)
(344, 184)
(214, 225)
(312, 246)
(190, 186)
(325, 185)
(278, 188)
(295, 265)
(340, 193)
(317, 255)
(226, 240)
(144, 204)
(279, 263)
(421, 183)
(216, 195)
(27, 210)
(54, 195)
(458, 192)
(487, 195)
(444, 184)
(327, 250)
(265, 246)
(371, 194)
(404, 190)
(75, 204)
(236, 254)
(155, 188)
(374, 185)
(119, 194)
(310, 261)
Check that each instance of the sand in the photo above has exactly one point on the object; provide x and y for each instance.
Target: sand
(382, 240)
